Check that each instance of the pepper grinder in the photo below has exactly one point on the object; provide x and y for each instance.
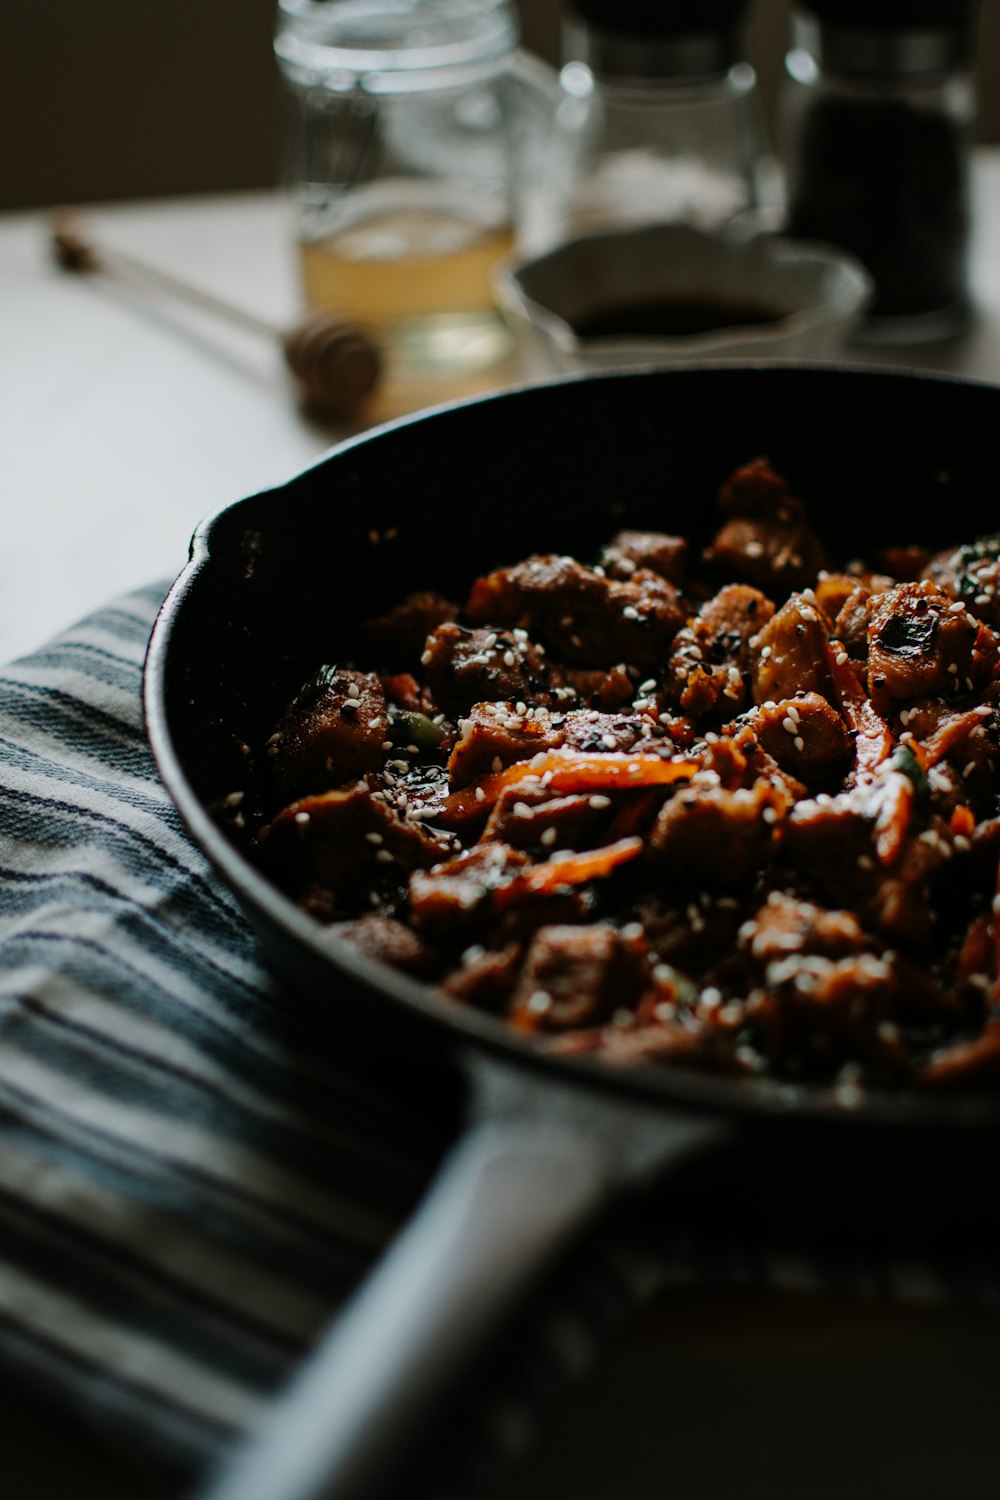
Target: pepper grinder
(876, 134)
(657, 120)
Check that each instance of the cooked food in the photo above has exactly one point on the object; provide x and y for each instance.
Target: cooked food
(732, 810)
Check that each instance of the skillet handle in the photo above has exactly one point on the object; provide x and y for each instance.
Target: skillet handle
(507, 1199)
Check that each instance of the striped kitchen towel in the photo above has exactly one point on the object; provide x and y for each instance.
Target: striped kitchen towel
(190, 1185)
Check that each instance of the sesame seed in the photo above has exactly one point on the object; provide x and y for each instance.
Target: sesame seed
(539, 1003)
(384, 857)
(374, 838)
(353, 691)
(649, 686)
(630, 612)
(754, 549)
(508, 658)
(799, 743)
(842, 658)
(788, 725)
(234, 799)
(548, 838)
(302, 817)
(599, 802)
(480, 794)
(497, 765)
(426, 657)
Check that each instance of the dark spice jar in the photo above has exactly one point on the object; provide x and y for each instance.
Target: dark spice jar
(877, 125)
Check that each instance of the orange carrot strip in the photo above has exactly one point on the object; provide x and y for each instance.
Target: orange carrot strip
(894, 818)
(568, 771)
(947, 736)
(873, 738)
(962, 821)
(571, 869)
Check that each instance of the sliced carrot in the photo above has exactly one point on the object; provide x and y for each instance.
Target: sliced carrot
(947, 736)
(873, 740)
(567, 771)
(894, 818)
(962, 821)
(571, 869)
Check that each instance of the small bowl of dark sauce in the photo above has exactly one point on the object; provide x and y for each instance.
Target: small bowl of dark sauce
(662, 292)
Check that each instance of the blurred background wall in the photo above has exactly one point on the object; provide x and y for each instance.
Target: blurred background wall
(106, 99)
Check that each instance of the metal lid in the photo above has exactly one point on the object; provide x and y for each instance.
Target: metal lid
(655, 39)
(886, 38)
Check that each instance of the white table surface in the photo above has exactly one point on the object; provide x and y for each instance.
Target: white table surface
(125, 420)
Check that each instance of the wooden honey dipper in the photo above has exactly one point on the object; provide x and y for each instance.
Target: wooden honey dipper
(336, 363)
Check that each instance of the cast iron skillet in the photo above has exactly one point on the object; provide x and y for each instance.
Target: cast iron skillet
(276, 585)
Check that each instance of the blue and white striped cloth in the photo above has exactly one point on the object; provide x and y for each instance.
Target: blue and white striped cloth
(189, 1187)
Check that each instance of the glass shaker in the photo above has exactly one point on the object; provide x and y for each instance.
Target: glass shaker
(878, 115)
(658, 120)
(403, 175)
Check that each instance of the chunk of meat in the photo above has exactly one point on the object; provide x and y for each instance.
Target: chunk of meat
(785, 925)
(713, 836)
(806, 736)
(972, 574)
(388, 941)
(332, 732)
(347, 842)
(575, 976)
(581, 616)
(629, 550)
(850, 626)
(464, 666)
(485, 977)
(710, 656)
(453, 900)
(496, 735)
(767, 542)
(400, 633)
(922, 643)
(529, 817)
(789, 652)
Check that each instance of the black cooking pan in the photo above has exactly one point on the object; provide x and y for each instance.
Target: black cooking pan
(278, 583)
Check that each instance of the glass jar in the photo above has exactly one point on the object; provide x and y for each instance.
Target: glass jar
(404, 174)
(877, 123)
(657, 122)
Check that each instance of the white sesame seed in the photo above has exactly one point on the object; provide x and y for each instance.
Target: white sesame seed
(425, 657)
(384, 857)
(302, 817)
(480, 794)
(630, 612)
(599, 802)
(374, 838)
(353, 691)
(842, 658)
(799, 743)
(548, 838)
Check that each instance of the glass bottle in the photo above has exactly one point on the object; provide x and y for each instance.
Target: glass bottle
(657, 120)
(404, 175)
(878, 115)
